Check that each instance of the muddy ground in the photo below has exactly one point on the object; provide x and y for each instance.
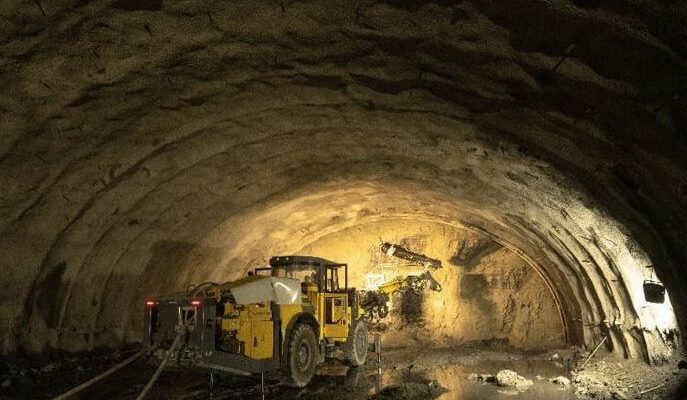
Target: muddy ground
(465, 373)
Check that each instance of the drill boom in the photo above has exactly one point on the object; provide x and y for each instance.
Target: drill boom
(375, 302)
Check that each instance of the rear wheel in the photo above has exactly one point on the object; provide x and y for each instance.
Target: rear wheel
(302, 356)
(355, 349)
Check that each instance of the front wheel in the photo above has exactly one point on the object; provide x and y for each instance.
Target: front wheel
(302, 356)
(355, 350)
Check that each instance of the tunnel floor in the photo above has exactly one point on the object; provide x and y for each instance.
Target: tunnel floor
(409, 373)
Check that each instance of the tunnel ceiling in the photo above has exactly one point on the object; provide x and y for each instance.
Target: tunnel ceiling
(148, 143)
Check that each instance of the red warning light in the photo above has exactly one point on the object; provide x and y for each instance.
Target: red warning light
(196, 303)
(150, 303)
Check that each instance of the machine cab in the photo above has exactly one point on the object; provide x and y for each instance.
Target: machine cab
(325, 287)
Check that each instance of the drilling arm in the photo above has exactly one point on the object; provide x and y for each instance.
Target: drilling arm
(375, 303)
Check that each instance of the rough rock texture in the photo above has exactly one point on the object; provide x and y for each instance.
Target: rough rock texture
(493, 294)
(560, 380)
(508, 378)
(609, 378)
(594, 385)
(149, 144)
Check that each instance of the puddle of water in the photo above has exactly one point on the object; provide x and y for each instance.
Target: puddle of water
(336, 381)
(454, 378)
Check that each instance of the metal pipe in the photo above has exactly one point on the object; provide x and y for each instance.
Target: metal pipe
(594, 352)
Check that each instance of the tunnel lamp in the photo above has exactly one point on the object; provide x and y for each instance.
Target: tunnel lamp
(196, 303)
(150, 303)
(654, 291)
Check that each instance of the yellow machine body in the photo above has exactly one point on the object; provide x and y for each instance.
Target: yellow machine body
(252, 326)
(289, 316)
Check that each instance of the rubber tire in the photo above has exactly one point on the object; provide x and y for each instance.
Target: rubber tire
(355, 349)
(299, 371)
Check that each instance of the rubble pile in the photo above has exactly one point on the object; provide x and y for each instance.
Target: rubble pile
(613, 379)
(597, 386)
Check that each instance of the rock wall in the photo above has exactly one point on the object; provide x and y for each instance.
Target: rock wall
(490, 294)
(149, 144)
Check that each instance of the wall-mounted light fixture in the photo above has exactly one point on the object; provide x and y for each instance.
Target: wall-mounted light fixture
(654, 291)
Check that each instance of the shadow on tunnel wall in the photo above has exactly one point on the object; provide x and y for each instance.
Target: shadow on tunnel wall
(45, 297)
(475, 288)
(471, 252)
(101, 308)
(167, 259)
(172, 267)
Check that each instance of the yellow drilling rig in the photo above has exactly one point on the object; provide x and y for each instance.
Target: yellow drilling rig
(289, 316)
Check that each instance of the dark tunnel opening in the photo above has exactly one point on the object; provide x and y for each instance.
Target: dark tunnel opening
(535, 149)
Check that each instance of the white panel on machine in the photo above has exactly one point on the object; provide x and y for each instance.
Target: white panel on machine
(268, 288)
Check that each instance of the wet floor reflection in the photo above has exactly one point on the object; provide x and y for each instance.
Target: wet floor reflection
(455, 379)
(364, 382)
(385, 381)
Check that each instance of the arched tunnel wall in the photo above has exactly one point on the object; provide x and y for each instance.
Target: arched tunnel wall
(145, 149)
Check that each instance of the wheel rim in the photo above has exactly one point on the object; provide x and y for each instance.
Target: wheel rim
(303, 356)
(360, 345)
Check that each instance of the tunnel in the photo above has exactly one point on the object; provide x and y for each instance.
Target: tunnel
(537, 148)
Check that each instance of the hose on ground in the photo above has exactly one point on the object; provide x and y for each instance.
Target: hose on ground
(97, 378)
(122, 364)
(159, 369)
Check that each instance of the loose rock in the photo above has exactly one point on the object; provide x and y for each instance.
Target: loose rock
(508, 378)
(482, 377)
(592, 385)
(48, 368)
(560, 380)
(619, 395)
